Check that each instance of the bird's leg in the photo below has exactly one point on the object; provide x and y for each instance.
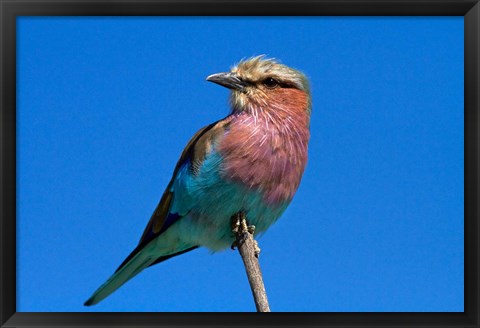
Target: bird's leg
(239, 225)
(235, 227)
(236, 224)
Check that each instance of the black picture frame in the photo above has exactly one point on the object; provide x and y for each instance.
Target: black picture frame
(10, 10)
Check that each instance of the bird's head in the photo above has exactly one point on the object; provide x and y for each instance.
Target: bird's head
(260, 84)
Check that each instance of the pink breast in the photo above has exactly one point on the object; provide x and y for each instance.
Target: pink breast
(266, 157)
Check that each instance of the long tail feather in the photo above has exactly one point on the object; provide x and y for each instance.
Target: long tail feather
(135, 263)
(140, 261)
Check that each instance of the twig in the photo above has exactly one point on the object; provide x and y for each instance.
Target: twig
(249, 251)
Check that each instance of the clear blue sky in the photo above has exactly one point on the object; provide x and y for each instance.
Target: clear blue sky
(106, 105)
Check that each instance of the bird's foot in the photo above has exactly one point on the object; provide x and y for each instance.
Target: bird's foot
(241, 228)
(236, 224)
(234, 245)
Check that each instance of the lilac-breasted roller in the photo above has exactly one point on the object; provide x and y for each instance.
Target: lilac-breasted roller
(251, 161)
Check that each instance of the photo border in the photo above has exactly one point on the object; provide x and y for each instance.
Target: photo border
(10, 10)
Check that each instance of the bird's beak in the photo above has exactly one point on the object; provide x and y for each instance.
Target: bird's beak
(228, 80)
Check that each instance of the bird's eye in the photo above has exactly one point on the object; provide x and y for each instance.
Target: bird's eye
(270, 82)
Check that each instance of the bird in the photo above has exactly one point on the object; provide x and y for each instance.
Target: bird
(251, 161)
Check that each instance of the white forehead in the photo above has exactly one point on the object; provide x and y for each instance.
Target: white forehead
(258, 68)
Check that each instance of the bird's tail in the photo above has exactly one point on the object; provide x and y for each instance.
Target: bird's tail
(134, 266)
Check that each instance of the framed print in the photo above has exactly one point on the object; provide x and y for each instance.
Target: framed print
(345, 131)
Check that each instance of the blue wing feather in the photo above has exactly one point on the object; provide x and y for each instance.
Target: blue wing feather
(163, 217)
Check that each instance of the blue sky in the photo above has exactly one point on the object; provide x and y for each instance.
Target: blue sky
(106, 105)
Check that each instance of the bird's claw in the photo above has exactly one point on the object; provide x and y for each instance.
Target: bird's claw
(240, 227)
(236, 225)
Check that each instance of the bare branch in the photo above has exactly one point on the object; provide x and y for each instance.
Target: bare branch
(249, 251)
